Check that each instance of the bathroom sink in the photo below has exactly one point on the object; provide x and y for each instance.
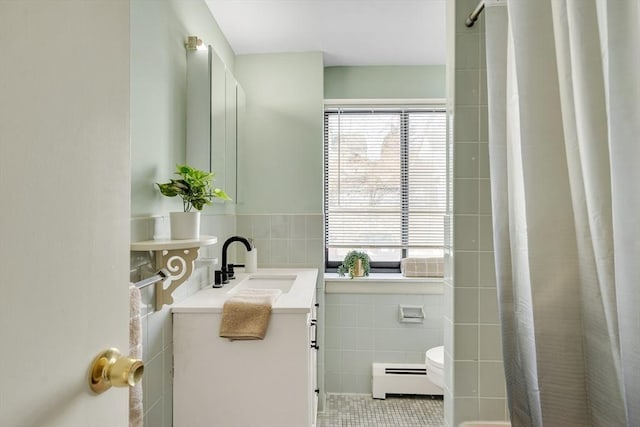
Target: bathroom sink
(266, 281)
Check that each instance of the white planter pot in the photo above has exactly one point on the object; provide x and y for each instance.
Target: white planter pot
(185, 225)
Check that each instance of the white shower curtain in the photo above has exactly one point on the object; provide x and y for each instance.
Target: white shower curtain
(564, 144)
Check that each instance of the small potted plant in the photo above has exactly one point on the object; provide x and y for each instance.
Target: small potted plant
(195, 187)
(356, 263)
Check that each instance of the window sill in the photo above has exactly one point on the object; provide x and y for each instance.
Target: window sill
(382, 283)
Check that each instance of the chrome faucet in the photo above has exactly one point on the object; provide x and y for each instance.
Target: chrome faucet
(226, 272)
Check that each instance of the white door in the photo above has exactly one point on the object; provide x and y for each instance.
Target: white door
(64, 208)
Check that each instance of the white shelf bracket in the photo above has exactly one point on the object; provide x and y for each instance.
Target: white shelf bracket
(179, 262)
(175, 256)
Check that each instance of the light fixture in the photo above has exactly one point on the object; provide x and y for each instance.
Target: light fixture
(194, 43)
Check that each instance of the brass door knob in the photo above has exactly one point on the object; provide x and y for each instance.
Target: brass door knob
(111, 368)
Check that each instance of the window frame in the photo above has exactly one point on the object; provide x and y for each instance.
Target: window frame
(404, 111)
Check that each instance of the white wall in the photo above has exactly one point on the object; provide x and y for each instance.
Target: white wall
(280, 155)
(379, 82)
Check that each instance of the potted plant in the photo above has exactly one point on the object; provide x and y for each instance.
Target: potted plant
(356, 263)
(195, 187)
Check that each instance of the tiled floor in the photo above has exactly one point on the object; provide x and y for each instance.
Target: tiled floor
(343, 410)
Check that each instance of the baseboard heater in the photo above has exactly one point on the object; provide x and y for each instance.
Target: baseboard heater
(401, 378)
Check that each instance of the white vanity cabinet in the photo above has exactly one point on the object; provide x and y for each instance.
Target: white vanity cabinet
(256, 383)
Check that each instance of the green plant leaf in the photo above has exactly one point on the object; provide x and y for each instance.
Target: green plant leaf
(220, 194)
(194, 187)
(167, 189)
(350, 261)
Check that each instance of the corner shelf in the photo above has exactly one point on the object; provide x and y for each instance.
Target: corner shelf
(177, 257)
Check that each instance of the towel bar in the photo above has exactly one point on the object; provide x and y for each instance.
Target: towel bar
(159, 276)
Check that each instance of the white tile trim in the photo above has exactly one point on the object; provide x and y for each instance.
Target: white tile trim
(382, 283)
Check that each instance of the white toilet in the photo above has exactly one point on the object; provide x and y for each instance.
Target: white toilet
(434, 361)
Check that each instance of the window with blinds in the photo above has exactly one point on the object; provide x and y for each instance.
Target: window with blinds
(385, 183)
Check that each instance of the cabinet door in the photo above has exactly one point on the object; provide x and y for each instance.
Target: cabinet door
(313, 367)
(241, 383)
(231, 142)
(199, 108)
(241, 108)
(218, 120)
(207, 113)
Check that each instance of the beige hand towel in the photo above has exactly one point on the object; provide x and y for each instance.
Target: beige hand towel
(245, 316)
(136, 412)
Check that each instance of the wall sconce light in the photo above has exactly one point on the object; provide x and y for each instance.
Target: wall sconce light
(194, 43)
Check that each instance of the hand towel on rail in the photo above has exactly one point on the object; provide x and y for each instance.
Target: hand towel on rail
(136, 411)
(245, 316)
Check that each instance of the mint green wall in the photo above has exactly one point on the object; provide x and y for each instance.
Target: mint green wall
(280, 152)
(158, 89)
(399, 82)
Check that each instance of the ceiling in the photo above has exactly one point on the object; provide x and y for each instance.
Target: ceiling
(348, 32)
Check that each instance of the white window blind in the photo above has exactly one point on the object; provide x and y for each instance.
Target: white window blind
(385, 182)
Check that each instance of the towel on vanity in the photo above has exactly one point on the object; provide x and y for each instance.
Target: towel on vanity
(245, 316)
(135, 350)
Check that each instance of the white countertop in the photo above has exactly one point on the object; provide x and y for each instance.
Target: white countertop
(299, 299)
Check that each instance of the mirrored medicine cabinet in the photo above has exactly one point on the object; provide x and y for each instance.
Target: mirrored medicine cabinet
(215, 110)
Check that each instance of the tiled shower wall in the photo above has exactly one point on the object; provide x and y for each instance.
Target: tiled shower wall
(363, 329)
(475, 385)
(157, 383)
